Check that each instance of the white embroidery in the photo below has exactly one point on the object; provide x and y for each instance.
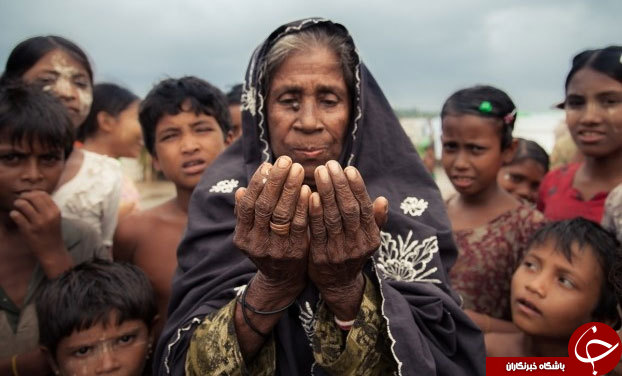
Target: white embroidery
(169, 347)
(308, 319)
(407, 259)
(225, 186)
(248, 100)
(414, 206)
(239, 290)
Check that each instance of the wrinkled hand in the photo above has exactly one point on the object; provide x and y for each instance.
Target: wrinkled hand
(38, 219)
(345, 233)
(275, 194)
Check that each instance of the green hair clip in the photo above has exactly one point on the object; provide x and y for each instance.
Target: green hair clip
(485, 107)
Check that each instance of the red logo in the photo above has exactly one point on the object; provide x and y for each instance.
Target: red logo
(594, 347)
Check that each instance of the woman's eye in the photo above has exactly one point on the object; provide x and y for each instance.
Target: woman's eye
(45, 80)
(610, 101)
(82, 84)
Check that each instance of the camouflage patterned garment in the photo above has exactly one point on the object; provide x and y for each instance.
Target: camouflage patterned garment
(214, 349)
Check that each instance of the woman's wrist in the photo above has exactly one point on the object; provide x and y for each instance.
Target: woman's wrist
(344, 301)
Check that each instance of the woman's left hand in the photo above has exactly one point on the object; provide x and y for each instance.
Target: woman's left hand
(345, 232)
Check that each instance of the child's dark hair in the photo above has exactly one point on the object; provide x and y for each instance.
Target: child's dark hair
(581, 233)
(109, 98)
(485, 101)
(167, 97)
(528, 149)
(234, 96)
(603, 60)
(88, 294)
(29, 52)
(29, 114)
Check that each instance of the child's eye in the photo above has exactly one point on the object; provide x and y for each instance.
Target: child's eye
(203, 129)
(81, 83)
(50, 159)
(516, 178)
(450, 146)
(566, 282)
(10, 158)
(83, 351)
(610, 101)
(126, 339)
(167, 136)
(574, 102)
(45, 80)
(530, 265)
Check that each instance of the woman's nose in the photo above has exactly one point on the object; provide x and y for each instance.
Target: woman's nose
(308, 120)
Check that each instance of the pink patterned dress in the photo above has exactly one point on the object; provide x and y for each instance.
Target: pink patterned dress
(488, 256)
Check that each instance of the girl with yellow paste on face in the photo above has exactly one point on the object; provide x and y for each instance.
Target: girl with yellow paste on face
(90, 186)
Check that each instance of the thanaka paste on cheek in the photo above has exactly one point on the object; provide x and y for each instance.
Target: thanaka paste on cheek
(64, 83)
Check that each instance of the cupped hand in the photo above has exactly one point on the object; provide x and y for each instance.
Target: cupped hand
(272, 224)
(344, 234)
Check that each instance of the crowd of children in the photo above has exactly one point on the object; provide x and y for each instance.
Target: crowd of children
(534, 262)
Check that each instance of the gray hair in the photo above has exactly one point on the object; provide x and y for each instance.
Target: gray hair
(316, 36)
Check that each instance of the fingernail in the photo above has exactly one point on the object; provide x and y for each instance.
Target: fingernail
(323, 172)
(351, 174)
(296, 169)
(283, 162)
(333, 166)
(265, 169)
(305, 190)
(315, 200)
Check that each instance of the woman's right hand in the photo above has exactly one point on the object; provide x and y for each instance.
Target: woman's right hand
(271, 225)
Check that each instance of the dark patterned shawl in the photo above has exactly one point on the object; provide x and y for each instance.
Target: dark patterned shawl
(429, 332)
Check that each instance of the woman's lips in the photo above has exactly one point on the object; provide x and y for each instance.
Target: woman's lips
(310, 153)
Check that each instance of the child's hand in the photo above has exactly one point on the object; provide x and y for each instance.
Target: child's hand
(38, 219)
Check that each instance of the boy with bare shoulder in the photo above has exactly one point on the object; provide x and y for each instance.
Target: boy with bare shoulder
(186, 126)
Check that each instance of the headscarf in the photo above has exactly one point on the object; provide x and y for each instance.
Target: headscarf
(428, 331)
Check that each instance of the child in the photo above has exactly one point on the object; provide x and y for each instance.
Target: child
(97, 318)
(36, 136)
(112, 129)
(563, 282)
(185, 124)
(491, 227)
(522, 176)
(90, 186)
(234, 100)
(593, 108)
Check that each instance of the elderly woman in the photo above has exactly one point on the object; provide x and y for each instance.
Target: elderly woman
(292, 275)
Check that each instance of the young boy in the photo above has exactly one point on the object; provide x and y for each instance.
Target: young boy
(186, 126)
(563, 282)
(97, 318)
(36, 136)
(234, 100)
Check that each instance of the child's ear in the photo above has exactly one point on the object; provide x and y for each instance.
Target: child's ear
(508, 153)
(105, 121)
(155, 163)
(229, 138)
(48, 355)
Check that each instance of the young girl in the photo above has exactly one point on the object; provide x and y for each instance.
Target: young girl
(90, 186)
(112, 128)
(593, 108)
(522, 176)
(491, 227)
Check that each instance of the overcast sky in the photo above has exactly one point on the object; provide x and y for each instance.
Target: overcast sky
(419, 51)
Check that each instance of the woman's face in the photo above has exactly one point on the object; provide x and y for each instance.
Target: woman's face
(61, 74)
(594, 113)
(308, 109)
